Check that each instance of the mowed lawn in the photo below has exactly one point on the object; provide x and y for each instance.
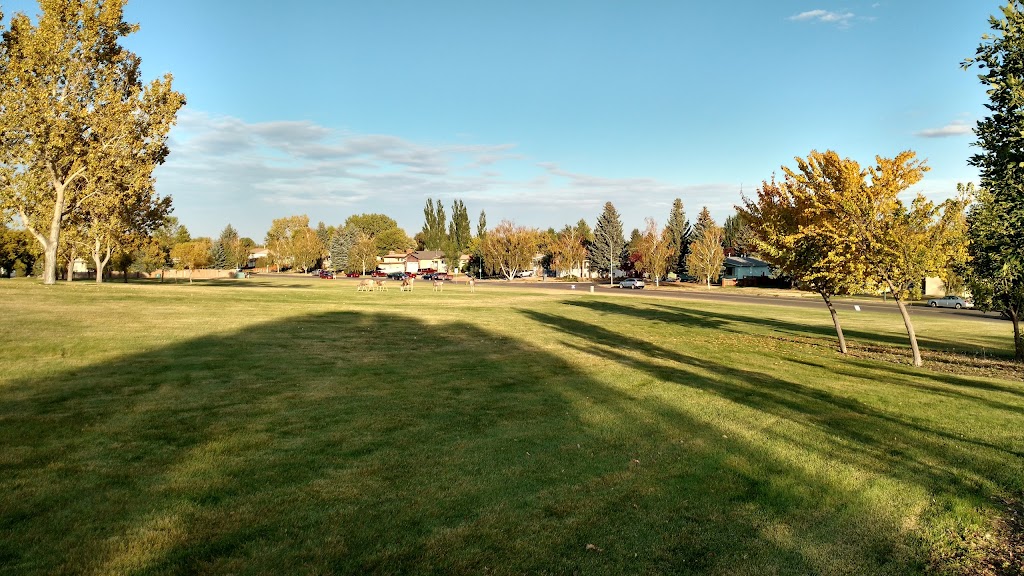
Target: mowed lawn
(295, 426)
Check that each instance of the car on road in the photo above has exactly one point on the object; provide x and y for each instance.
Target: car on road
(427, 275)
(397, 275)
(950, 302)
(444, 276)
(353, 274)
(632, 283)
(327, 275)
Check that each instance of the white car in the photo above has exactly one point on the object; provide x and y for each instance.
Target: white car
(950, 302)
(632, 283)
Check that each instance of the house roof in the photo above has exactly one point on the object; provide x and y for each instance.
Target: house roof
(746, 262)
(427, 255)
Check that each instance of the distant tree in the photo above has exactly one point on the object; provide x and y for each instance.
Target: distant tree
(218, 255)
(481, 225)
(654, 251)
(678, 229)
(704, 220)
(79, 127)
(734, 232)
(235, 251)
(306, 249)
(15, 247)
(363, 254)
(609, 243)
(282, 238)
(705, 258)
(434, 225)
(459, 236)
(509, 249)
(191, 255)
(996, 223)
(341, 243)
(169, 234)
(568, 249)
(384, 231)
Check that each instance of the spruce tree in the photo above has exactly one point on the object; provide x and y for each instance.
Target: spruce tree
(609, 243)
(679, 237)
(219, 255)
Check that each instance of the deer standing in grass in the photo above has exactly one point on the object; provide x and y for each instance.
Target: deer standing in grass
(438, 285)
(472, 284)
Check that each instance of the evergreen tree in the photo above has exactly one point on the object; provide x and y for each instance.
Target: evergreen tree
(704, 220)
(340, 245)
(219, 255)
(607, 249)
(678, 230)
(481, 225)
(996, 224)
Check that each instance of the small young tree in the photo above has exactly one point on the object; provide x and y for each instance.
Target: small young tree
(654, 251)
(706, 257)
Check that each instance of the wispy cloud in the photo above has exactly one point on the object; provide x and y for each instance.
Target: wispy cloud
(223, 169)
(827, 16)
(954, 128)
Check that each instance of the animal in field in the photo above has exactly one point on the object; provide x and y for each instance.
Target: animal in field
(438, 285)
(407, 284)
(472, 284)
(365, 285)
(381, 286)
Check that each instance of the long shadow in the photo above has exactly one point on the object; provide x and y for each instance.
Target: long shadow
(358, 443)
(723, 321)
(889, 442)
(736, 323)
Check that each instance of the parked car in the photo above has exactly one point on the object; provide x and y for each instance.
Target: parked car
(397, 275)
(427, 275)
(353, 274)
(632, 283)
(950, 302)
(525, 274)
(379, 274)
(327, 275)
(441, 276)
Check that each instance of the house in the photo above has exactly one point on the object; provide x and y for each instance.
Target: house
(740, 267)
(425, 260)
(395, 262)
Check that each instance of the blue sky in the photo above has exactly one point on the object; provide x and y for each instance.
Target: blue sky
(541, 111)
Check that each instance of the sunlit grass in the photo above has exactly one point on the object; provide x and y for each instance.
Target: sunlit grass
(297, 426)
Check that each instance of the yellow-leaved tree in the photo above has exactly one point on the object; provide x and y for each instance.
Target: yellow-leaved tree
(77, 125)
(509, 249)
(655, 251)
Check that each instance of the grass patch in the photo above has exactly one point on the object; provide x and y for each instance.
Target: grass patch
(297, 426)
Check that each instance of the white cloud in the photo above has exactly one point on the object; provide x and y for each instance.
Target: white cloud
(224, 170)
(954, 128)
(827, 16)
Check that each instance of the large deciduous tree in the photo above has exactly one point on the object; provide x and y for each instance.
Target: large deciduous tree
(569, 249)
(509, 249)
(795, 231)
(77, 123)
(609, 242)
(997, 222)
(384, 231)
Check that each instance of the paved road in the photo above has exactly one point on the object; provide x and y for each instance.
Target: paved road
(841, 304)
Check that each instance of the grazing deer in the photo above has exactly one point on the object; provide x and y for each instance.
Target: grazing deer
(472, 284)
(407, 284)
(365, 285)
(381, 286)
(438, 285)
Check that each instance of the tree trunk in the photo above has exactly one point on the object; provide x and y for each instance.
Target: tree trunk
(906, 322)
(100, 260)
(1018, 340)
(71, 266)
(190, 270)
(835, 321)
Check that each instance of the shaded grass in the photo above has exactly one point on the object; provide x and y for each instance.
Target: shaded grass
(300, 427)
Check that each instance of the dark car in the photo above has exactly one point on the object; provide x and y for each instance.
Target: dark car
(427, 276)
(396, 275)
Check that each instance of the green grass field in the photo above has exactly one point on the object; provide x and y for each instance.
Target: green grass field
(294, 426)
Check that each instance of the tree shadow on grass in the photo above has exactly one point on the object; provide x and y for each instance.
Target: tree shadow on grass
(738, 323)
(890, 442)
(735, 323)
(372, 443)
